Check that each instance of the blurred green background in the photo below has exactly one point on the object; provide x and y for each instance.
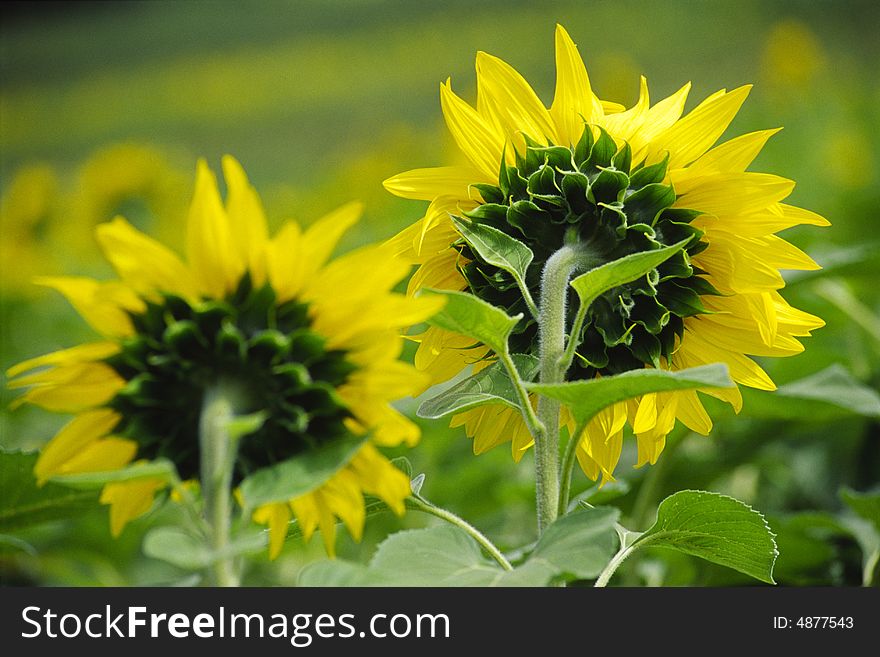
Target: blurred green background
(105, 107)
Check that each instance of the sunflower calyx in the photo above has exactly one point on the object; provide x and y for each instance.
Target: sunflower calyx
(286, 377)
(593, 194)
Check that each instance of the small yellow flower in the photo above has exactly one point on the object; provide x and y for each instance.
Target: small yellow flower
(622, 181)
(314, 343)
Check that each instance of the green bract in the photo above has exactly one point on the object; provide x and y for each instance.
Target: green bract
(279, 365)
(588, 194)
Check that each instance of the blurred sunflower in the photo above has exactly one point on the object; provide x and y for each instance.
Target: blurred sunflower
(313, 344)
(48, 226)
(621, 182)
(27, 209)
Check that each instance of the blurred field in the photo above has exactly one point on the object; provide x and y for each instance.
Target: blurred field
(104, 108)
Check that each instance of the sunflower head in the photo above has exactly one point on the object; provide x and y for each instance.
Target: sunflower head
(310, 346)
(617, 181)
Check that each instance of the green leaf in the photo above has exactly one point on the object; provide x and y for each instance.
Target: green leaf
(301, 474)
(341, 573)
(437, 556)
(587, 398)
(866, 505)
(159, 469)
(578, 545)
(491, 385)
(716, 528)
(181, 549)
(832, 394)
(240, 426)
(497, 248)
(466, 314)
(23, 503)
(598, 494)
(177, 547)
(596, 282)
(834, 385)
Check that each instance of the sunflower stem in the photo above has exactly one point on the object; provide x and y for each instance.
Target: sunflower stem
(425, 506)
(218, 450)
(567, 469)
(551, 331)
(531, 420)
(613, 565)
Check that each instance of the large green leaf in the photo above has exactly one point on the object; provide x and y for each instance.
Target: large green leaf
(866, 505)
(491, 385)
(597, 281)
(587, 398)
(182, 549)
(497, 248)
(716, 528)
(158, 469)
(833, 386)
(437, 556)
(577, 545)
(301, 474)
(466, 314)
(23, 503)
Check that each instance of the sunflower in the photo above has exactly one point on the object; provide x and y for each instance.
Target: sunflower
(311, 344)
(621, 182)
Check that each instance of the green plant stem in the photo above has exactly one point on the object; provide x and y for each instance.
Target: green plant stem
(218, 451)
(612, 566)
(425, 506)
(568, 469)
(551, 331)
(532, 421)
(527, 297)
(571, 347)
(189, 504)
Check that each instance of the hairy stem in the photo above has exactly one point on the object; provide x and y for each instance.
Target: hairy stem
(425, 506)
(551, 331)
(218, 451)
(612, 566)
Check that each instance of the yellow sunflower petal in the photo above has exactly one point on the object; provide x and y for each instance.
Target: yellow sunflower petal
(104, 455)
(90, 351)
(742, 368)
(689, 138)
(147, 266)
(342, 494)
(277, 516)
(71, 388)
(285, 272)
(735, 155)
(479, 142)
(104, 306)
(129, 500)
(657, 119)
(690, 410)
(247, 220)
(73, 437)
(624, 125)
(518, 107)
(427, 184)
(210, 247)
(305, 508)
(574, 101)
(379, 477)
(321, 238)
(731, 193)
